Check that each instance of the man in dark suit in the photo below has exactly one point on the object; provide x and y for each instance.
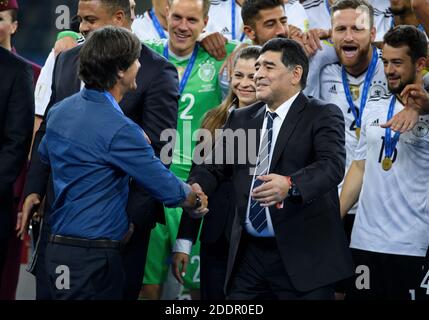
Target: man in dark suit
(153, 106)
(287, 240)
(16, 129)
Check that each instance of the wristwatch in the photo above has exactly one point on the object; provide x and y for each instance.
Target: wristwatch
(293, 190)
(198, 202)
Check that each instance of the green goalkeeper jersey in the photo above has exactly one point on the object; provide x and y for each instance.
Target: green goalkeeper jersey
(200, 94)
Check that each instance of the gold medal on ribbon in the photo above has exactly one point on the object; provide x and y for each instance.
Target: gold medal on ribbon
(357, 132)
(386, 164)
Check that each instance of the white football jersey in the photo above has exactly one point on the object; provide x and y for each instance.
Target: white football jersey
(321, 59)
(43, 90)
(393, 211)
(220, 19)
(144, 28)
(383, 21)
(296, 15)
(381, 5)
(318, 14)
(332, 91)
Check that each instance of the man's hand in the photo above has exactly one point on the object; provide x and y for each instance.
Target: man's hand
(64, 44)
(415, 96)
(202, 210)
(295, 33)
(273, 191)
(29, 210)
(310, 40)
(190, 202)
(416, 100)
(405, 120)
(128, 235)
(180, 263)
(214, 44)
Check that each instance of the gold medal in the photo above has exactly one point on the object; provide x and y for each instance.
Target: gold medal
(357, 132)
(386, 164)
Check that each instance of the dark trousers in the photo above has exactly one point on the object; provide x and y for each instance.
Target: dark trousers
(259, 273)
(344, 285)
(3, 254)
(39, 271)
(214, 258)
(134, 260)
(78, 273)
(388, 276)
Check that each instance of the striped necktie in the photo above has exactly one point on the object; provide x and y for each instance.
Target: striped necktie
(257, 214)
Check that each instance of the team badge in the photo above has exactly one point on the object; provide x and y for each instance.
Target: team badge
(354, 90)
(377, 91)
(207, 71)
(421, 129)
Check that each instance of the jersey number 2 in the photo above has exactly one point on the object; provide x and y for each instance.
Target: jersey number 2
(185, 114)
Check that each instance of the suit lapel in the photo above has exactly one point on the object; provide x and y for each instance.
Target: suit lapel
(288, 126)
(76, 80)
(254, 123)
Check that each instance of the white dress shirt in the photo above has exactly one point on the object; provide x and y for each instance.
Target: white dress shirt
(185, 245)
(281, 112)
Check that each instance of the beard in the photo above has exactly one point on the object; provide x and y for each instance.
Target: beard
(402, 84)
(359, 59)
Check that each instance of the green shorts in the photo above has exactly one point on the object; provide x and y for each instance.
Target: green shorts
(162, 240)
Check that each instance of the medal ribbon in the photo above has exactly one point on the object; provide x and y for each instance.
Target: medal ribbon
(368, 78)
(389, 141)
(157, 24)
(328, 8)
(188, 69)
(233, 35)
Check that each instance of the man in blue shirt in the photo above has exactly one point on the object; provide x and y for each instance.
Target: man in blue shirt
(93, 150)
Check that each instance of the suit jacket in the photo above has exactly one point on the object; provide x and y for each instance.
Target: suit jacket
(310, 149)
(16, 128)
(153, 106)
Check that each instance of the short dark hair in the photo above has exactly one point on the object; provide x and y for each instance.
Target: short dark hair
(292, 55)
(115, 5)
(206, 6)
(106, 52)
(410, 36)
(354, 4)
(250, 9)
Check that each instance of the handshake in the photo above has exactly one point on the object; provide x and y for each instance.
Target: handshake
(196, 203)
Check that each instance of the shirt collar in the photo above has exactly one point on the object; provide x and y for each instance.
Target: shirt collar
(283, 109)
(113, 102)
(101, 97)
